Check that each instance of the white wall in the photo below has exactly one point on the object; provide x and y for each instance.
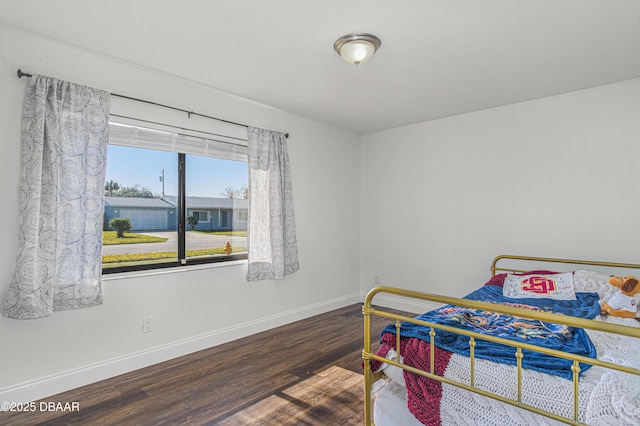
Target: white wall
(553, 177)
(191, 309)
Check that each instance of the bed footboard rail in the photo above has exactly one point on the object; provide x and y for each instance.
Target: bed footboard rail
(368, 310)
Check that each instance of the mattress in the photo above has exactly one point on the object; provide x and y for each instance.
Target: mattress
(390, 406)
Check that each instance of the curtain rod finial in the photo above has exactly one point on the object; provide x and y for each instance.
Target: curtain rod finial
(22, 74)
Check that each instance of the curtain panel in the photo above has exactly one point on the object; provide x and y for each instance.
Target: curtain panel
(65, 130)
(273, 247)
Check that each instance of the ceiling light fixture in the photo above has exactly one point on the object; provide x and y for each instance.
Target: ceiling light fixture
(357, 48)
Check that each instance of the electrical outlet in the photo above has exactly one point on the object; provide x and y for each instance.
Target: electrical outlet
(376, 279)
(147, 324)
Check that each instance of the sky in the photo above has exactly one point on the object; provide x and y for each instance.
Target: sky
(206, 177)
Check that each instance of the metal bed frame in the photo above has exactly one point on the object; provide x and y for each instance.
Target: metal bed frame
(368, 355)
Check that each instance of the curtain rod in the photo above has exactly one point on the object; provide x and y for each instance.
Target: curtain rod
(189, 113)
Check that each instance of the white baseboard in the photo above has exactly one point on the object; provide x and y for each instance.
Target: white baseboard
(66, 380)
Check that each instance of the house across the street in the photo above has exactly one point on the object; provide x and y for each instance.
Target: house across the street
(160, 214)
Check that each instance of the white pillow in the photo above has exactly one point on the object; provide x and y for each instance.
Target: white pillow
(593, 282)
(541, 286)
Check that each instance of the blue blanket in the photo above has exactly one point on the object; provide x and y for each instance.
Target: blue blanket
(554, 336)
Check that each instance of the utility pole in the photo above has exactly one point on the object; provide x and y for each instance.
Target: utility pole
(162, 180)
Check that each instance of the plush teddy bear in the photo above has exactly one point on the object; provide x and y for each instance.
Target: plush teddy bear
(622, 303)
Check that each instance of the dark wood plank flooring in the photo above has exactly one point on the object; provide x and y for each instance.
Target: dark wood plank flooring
(209, 386)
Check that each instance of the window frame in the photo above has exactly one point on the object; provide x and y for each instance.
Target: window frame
(182, 260)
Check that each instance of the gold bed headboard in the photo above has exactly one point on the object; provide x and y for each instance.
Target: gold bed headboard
(539, 260)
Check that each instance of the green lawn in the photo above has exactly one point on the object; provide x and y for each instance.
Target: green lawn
(132, 259)
(111, 238)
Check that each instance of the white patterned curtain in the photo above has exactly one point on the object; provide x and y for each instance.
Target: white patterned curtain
(64, 143)
(273, 248)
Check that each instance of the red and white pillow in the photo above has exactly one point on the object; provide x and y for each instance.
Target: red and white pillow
(540, 286)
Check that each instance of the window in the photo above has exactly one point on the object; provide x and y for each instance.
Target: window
(178, 199)
(200, 216)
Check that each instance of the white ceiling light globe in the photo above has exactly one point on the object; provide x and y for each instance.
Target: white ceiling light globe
(357, 52)
(357, 48)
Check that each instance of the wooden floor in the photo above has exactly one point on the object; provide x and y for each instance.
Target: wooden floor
(242, 382)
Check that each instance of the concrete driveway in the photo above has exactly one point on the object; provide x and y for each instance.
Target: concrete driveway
(195, 240)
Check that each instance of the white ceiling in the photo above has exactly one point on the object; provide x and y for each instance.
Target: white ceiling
(438, 57)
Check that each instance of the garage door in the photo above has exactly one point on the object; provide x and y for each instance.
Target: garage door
(146, 220)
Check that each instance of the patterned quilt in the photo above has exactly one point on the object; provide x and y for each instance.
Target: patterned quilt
(554, 336)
